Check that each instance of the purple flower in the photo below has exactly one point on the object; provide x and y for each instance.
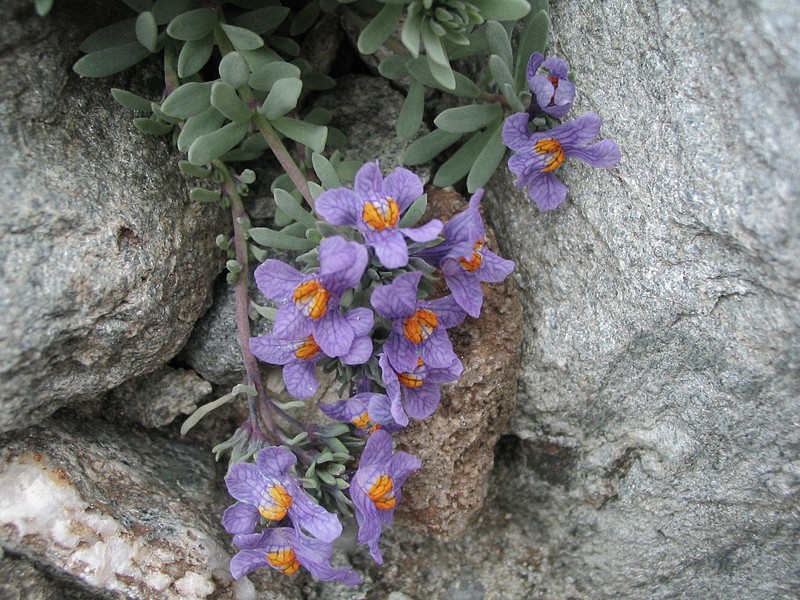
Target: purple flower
(314, 299)
(300, 355)
(374, 208)
(418, 327)
(416, 392)
(367, 411)
(541, 153)
(375, 488)
(464, 258)
(267, 489)
(286, 550)
(553, 93)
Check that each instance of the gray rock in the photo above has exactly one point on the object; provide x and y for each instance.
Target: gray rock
(657, 423)
(120, 513)
(158, 398)
(105, 264)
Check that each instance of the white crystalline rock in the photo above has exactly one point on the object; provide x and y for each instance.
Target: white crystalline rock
(40, 504)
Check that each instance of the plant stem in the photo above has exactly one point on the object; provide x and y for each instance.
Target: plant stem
(239, 217)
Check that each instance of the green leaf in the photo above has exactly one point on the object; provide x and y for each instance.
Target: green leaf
(325, 171)
(188, 100)
(111, 60)
(429, 146)
(502, 10)
(259, 57)
(193, 25)
(394, 66)
(241, 38)
(488, 159)
(313, 136)
(315, 189)
(265, 77)
(292, 207)
(130, 100)
(279, 241)
(284, 44)
(464, 119)
(512, 98)
(419, 69)
(233, 70)
(204, 196)
(304, 19)
(212, 145)
(380, 28)
(194, 55)
(191, 170)
(152, 127)
(443, 74)
(316, 82)
(206, 122)
(111, 36)
(263, 20)
(202, 411)
(410, 117)
(533, 39)
(415, 212)
(499, 42)
(457, 166)
(282, 98)
(412, 31)
(139, 5)
(157, 112)
(147, 31)
(500, 71)
(225, 99)
(43, 7)
(166, 10)
(318, 116)
(433, 47)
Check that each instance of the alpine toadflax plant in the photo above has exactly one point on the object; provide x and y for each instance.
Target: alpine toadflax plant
(552, 93)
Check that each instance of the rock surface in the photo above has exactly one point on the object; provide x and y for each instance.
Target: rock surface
(105, 264)
(657, 422)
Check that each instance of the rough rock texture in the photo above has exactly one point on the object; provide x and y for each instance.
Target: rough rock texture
(121, 513)
(657, 451)
(158, 398)
(104, 263)
(456, 444)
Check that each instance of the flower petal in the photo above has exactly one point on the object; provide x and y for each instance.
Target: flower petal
(534, 62)
(403, 187)
(437, 350)
(309, 515)
(578, 132)
(401, 353)
(494, 268)
(557, 67)
(361, 320)
(339, 206)
(360, 351)
(276, 279)
(333, 333)
(369, 182)
(402, 465)
(275, 461)
(300, 378)
(464, 287)
(269, 349)
(516, 134)
(448, 311)
(240, 518)
(290, 324)
(547, 191)
(421, 402)
(424, 233)
(603, 154)
(390, 247)
(247, 561)
(245, 483)
(341, 263)
(398, 299)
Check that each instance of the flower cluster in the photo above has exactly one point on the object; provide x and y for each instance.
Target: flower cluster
(364, 311)
(542, 150)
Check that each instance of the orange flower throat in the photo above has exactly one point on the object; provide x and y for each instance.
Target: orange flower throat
(555, 151)
(379, 216)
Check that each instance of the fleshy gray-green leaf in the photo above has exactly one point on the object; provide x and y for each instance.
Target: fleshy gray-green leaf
(194, 55)
(265, 77)
(191, 170)
(488, 159)
(429, 146)
(499, 42)
(284, 44)
(464, 119)
(233, 70)
(411, 33)
(325, 171)
(457, 166)
(420, 70)
(130, 100)
(414, 212)
(193, 25)
(43, 7)
(533, 39)
(188, 100)
(394, 66)
(410, 117)
(225, 99)
(241, 38)
(111, 36)
(502, 10)
(111, 60)
(313, 136)
(280, 241)
(500, 71)
(206, 122)
(292, 207)
(304, 19)
(147, 31)
(282, 98)
(380, 28)
(213, 145)
(262, 20)
(166, 10)
(203, 195)
(152, 127)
